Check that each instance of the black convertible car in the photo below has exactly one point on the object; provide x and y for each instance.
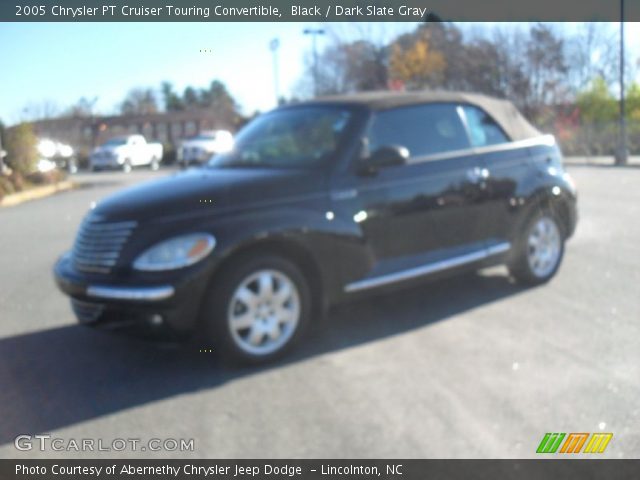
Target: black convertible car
(317, 202)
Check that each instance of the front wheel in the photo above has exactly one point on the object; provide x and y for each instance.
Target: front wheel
(258, 310)
(539, 251)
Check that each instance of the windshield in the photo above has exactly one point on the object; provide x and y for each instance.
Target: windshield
(297, 137)
(115, 142)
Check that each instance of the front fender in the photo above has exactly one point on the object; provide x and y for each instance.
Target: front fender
(335, 247)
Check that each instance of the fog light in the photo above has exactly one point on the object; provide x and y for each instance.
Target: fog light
(156, 320)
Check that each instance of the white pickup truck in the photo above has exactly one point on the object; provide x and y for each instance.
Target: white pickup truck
(200, 148)
(125, 153)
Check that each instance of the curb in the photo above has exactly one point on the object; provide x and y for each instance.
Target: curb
(36, 193)
(599, 161)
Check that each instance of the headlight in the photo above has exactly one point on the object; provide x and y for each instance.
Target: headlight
(177, 252)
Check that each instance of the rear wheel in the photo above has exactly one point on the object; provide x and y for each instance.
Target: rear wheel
(126, 166)
(539, 251)
(259, 309)
(155, 164)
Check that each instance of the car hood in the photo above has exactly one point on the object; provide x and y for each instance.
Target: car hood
(208, 190)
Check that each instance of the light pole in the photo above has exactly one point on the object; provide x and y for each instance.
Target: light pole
(273, 46)
(314, 32)
(621, 158)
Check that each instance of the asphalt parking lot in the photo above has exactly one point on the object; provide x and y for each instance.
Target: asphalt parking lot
(471, 367)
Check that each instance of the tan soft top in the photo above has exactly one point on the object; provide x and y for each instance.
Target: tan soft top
(503, 111)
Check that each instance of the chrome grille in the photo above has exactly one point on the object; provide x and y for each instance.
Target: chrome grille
(98, 245)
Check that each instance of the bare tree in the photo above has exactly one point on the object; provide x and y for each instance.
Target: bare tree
(139, 101)
(593, 52)
(84, 107)
(355, 59)
(41, 110)
(546, 66)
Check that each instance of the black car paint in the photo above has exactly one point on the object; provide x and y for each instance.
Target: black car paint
(424, 211)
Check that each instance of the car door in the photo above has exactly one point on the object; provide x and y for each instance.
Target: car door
(138, 151)
(505, 164)
(422, 211)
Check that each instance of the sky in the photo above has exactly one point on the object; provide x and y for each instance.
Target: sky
(61, 62)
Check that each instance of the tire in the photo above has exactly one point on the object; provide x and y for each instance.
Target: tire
(242, 299)
(126, 166)
(154, 165)
(539, 251)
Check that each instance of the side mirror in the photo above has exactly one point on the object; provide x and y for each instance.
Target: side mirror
(385, 156)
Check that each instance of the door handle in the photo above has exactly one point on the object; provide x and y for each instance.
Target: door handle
(477, 174)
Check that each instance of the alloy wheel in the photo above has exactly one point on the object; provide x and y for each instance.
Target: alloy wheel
(264, 312)
(544, 246)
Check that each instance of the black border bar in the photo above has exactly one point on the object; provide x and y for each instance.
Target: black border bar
(547, 469)
(317, 10)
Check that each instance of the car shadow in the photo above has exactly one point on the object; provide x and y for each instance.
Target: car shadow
(59, 377)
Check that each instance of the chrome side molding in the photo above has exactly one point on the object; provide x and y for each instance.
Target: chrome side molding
(149, 294)
(344, 194)
(428, 269)
(545, 140)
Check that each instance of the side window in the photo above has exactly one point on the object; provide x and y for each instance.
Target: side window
(422, 129)
(483, 130)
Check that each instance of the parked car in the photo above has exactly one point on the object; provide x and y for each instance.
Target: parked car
(200, 148)
(54, 155)
(126, 153)
(318, 202)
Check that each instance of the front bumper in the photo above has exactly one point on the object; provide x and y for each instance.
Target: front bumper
(162, 305)
(143, 294)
